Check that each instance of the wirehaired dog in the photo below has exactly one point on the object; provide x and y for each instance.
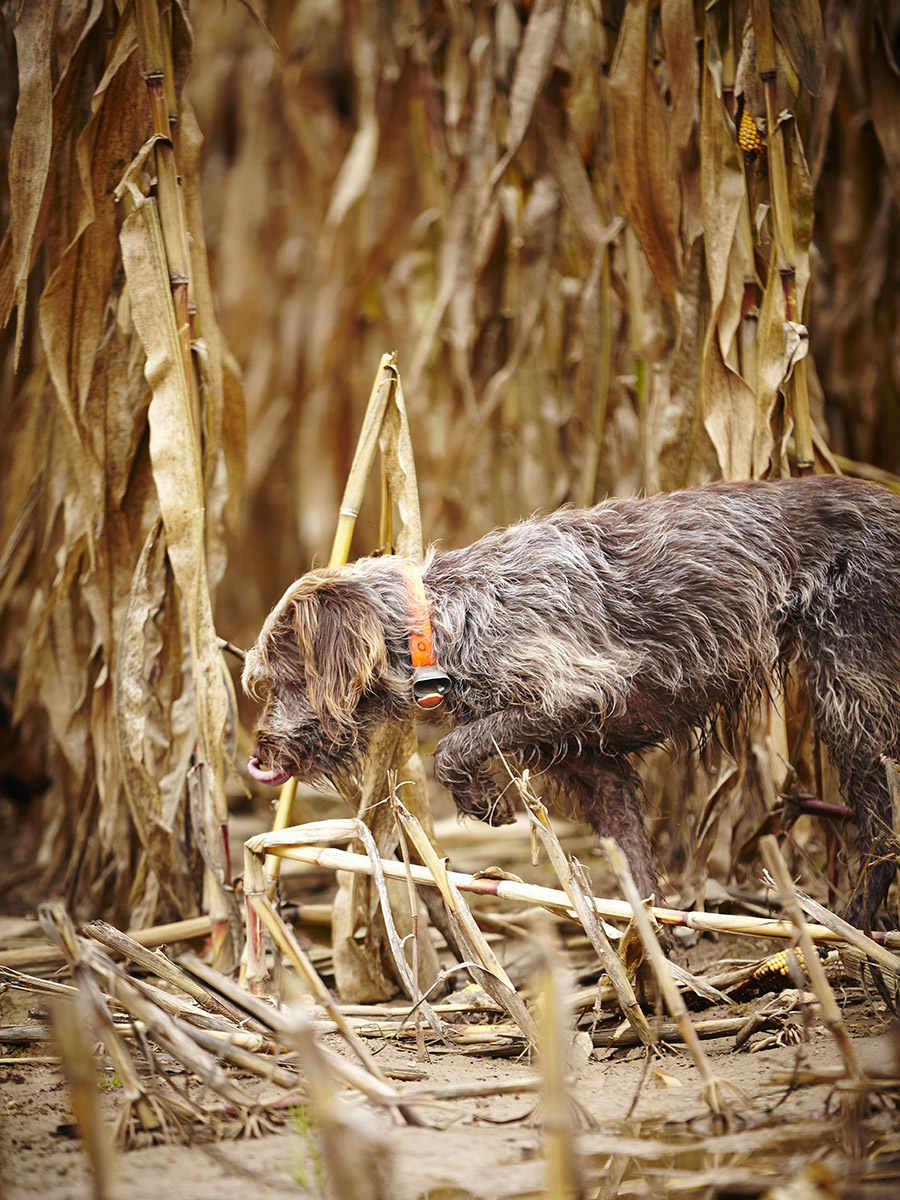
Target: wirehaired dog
(574, 641)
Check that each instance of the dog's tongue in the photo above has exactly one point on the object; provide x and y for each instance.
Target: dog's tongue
(273, 777)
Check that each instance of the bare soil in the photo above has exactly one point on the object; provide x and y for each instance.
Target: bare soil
(652, 1127)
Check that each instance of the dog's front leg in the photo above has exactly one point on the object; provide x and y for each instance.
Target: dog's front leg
(605, 786)
(462, 760)
(462, 764)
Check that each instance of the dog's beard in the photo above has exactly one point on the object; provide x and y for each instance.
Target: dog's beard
(307, 754)
(343, 779)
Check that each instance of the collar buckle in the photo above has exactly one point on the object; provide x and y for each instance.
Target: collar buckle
(430, 686)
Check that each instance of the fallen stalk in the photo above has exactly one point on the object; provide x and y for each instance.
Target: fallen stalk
(831, 1013)
(484, 966)
(575, 882)
(160, 966)
(42, 955)
(836, 1077)
(557, 901)
(669, 1031)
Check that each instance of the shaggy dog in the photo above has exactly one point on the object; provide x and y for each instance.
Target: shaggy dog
(573, 641)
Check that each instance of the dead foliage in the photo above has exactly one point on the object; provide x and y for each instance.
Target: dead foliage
(614, 247)
(596, 236)
(592, 283)
(122, 458)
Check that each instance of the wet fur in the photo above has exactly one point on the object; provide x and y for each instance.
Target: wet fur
(576, 640)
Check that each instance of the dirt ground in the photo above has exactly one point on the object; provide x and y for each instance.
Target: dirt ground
(651, 1131)
(640, 1128)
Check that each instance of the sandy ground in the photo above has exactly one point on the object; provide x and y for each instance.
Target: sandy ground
(639, 1132)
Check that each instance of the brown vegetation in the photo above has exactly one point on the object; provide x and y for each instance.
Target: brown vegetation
(544, 209)
(218, 218)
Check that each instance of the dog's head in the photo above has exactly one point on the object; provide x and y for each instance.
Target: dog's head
(329, 666)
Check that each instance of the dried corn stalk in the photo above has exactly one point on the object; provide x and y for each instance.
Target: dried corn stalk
(125, 427)
(545, 209)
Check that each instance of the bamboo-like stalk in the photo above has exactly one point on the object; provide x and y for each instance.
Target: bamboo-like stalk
(173, 931)
(386, 523)
(80, 1070)
(880, 1080)
(160, 93)
(748, 347)
(384, 425)
(407, 976)
(92, 1007)
(581, 903)
(156, 935)
(282, 821)
(869, 949)
(458, 909)
(601, 279)
(785, 254)
(486, 968)
(255, 856)
(286, 942)
(291, 948)
(563, 1176)
(175, 1038)
(382, 389)
(160, 966)
(831, 1013)
(156, 60)
(670, 1032)
(364, 1172)
(283, 1024)
(293, 844)
(414, 917)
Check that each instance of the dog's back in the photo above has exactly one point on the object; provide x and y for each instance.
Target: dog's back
(701, 591)
(584, 636)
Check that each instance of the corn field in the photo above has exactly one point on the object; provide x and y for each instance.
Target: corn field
(615, 246)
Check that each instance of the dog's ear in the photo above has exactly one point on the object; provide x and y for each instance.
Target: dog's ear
(341, 642)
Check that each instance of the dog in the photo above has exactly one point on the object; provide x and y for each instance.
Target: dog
(572, 642)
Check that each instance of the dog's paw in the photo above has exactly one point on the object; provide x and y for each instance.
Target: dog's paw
(487, 804)
(475, 794)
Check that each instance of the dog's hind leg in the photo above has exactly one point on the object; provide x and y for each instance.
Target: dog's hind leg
(856, 706)
(867, 791)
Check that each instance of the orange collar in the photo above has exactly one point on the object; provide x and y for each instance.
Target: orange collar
(430, 684)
